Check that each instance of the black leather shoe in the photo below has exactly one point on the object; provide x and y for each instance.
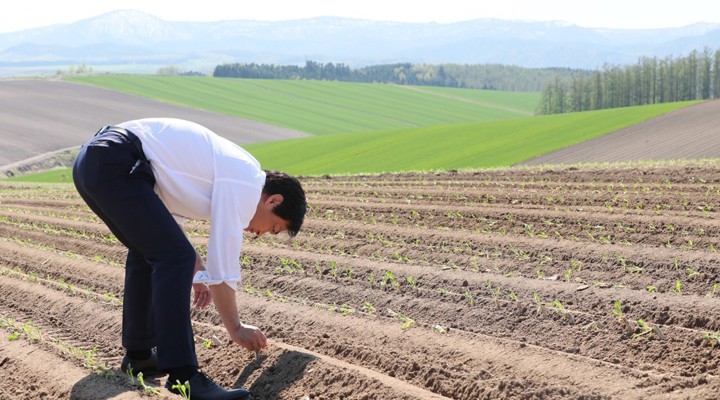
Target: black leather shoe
(148, 366)
(203, 388)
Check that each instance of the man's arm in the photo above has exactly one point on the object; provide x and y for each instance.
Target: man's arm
(247, 336)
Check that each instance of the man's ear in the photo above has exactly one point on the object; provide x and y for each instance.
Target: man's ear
(274, 200)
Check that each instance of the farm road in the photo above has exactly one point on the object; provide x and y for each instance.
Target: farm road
(688, 133)
(42, 116)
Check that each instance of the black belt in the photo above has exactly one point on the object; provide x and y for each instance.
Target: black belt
(131, 137)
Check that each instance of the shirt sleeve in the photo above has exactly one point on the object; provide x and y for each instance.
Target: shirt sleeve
(233, 205)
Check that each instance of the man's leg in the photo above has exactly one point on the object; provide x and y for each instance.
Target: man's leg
(160, 260)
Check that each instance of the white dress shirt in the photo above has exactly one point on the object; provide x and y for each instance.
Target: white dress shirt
(200, 175)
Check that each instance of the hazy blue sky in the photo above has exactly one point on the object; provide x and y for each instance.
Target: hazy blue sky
(632, 14)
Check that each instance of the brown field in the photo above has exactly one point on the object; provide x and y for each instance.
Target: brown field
(688, 133)
(43, 116)
(474, 285)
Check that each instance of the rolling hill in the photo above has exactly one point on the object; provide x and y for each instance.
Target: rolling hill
(438, 128)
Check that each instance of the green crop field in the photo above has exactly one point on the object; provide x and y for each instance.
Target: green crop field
(464, 146)
(60, 175)
(324, 108)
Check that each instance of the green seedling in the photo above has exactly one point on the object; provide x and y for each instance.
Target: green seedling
(389, 277)
(646, 329)
(13, 336)
(334, 269)
(557, 305)
(711, 340)
(678, 287)
(622, 319)
(692, 272)
(147, 389)
(343, 309)
(439, 329)
(183, 388)
(407, 322)
(130, 375)
(31, 331)
(712, 291)
(633, 269)
(369, 308)
(209, 342)
(412, 282)
(469, 297)
(592, 324)
(540, 304)
(496, 297)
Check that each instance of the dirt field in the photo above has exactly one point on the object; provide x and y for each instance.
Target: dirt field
(42, 116)
(551, 283)
(689, 133)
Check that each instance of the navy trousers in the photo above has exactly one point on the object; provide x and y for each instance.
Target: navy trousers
(160, 259)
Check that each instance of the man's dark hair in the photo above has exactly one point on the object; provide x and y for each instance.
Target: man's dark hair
(293, 207)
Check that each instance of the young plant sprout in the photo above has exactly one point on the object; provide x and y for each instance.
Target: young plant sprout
(412, 282)
(592, 324)
(369, 308)
(622, 320)
(540, 304)
(183, 388)
(334, 269)
(557, 305)
(407, 321)
(711, 339)
(645, 329)
(439, 329)
(678, 287)
(130, 375)
(496, 298)
(147, 389)
(469, 297)
(209, 342)
(712, 291)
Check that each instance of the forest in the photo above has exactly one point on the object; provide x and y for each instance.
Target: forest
(651, 80)
(481, 76)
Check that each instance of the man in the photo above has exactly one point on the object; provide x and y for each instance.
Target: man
(144, 178)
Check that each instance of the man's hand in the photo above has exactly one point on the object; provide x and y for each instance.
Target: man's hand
(247, 336)
(202, 296)
(250, 337)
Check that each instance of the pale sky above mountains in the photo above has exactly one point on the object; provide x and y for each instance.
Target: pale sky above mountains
(625, 14)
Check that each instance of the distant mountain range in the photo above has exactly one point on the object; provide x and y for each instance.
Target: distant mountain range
(123, 40)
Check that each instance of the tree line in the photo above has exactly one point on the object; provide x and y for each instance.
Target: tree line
(482, 76)
(649, 81)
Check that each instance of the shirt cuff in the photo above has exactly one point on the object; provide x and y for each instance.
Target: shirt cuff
(205, 278)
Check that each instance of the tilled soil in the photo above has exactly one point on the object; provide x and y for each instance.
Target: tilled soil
(533, 283)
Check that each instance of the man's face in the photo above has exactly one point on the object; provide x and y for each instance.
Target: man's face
(265, 220)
